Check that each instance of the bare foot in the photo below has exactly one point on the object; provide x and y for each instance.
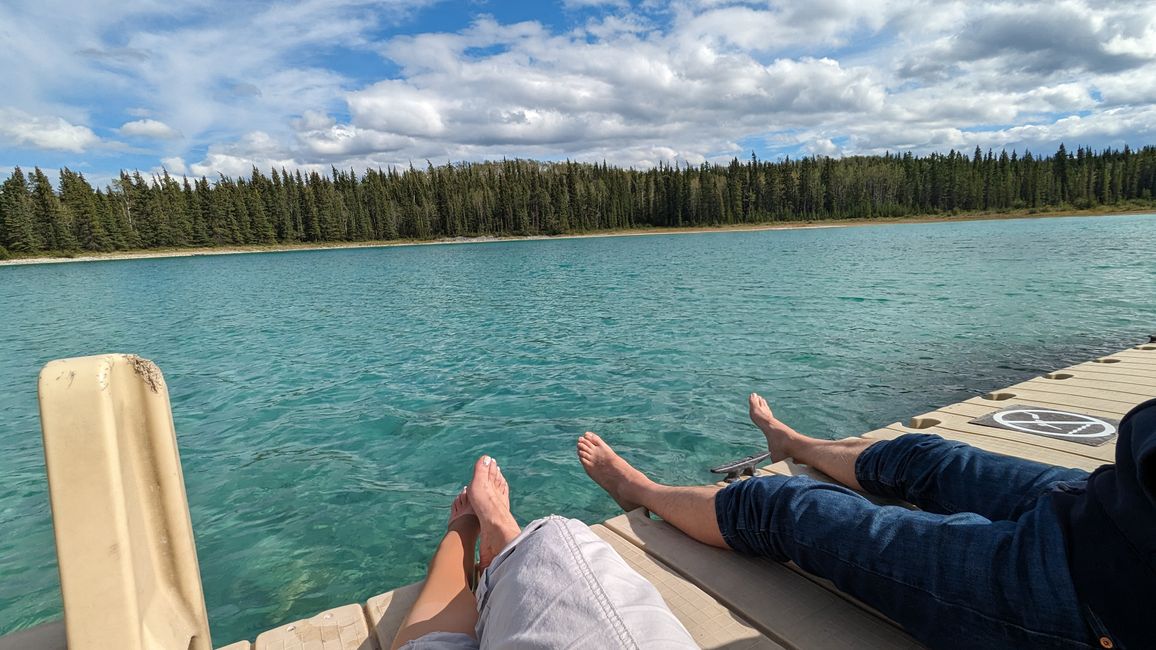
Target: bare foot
(462, 515)
(780, 437)
(610, 471)
(490, 498)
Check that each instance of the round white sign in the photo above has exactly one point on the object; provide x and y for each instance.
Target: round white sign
(1060, 424)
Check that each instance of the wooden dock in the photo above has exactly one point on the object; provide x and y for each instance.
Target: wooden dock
(730, 601)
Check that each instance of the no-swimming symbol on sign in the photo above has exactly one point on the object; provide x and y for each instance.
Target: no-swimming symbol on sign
(1041, 421)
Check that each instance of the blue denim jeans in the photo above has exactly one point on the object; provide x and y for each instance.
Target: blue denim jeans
(982, 564)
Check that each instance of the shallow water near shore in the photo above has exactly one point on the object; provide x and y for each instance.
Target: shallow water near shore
(329, 403)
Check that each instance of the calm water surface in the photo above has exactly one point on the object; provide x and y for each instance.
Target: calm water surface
(328, 404)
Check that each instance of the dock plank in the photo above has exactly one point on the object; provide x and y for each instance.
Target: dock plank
(1046, 400)
(711, 625)
(1111, 408)
(341, 628)
(974, 408)
(1118, 360)
(1116, 372)
(1076, 390)
(1076, 379)
(1140, 357)
(782, 604)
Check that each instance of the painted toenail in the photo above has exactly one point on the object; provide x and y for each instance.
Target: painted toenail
(486, 460)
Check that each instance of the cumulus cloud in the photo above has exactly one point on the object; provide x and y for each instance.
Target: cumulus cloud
(20, 129)
(174, 165)
(623, 96)
(582, 4)
(149, 128)
(643, 83)
(634, 90)
(1067, 37)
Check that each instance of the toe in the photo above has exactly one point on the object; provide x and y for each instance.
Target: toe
(482, 467)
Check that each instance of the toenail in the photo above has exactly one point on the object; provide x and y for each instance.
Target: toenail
(486, 460)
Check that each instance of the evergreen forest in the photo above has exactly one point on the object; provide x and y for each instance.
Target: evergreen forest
(524, 197)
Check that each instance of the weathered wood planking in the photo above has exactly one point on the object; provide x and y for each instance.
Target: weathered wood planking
(782, 604)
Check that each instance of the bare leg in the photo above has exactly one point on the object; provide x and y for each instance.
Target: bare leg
(490, 497)
(690, 509)
(446, 603)
(835, 458)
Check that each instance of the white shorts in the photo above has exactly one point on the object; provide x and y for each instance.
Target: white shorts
(557, 585)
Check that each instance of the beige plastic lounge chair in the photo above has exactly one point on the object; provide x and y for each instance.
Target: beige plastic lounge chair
(128, 565)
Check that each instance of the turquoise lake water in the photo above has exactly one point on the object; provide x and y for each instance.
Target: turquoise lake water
(328, 404)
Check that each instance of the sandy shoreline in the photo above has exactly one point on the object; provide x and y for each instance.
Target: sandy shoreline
(282, 248)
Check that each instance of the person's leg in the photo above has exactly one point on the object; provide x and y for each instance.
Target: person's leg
(934, 474)
(835, 458)
(490, 497)
(690, 509)
(956, 580)
(557, 584)
(948, 580)
(446, 603)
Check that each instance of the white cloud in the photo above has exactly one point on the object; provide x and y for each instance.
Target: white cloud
(149, 128)
(634, 84)
(175, 165)
(633, 90)
(20, 129)
(585, 4)
(256, 148)
(822, 147)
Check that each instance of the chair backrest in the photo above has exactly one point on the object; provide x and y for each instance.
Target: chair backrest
(124, 539)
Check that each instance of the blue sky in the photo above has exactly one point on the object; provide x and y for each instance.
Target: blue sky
(218, 87)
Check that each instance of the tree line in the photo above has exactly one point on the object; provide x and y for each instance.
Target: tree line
(524, 197)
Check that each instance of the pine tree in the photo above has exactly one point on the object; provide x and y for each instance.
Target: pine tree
(19, 234)
(52, 220)
(79, 199)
